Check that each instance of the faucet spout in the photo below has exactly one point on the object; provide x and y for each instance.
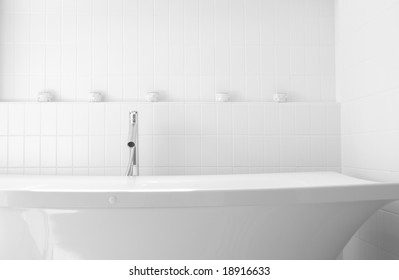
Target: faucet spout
(132, 143)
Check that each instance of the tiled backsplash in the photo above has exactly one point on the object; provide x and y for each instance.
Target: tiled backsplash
(174, 138)
(186, 49)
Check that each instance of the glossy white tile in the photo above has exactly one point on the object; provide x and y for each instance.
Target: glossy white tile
(189, 50)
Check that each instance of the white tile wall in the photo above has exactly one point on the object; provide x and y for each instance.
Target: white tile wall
(186, 49)
(368, 86)
(175, 138)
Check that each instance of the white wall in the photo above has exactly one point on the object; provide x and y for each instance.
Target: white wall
(175, 138)
(186, 49)
(368, 86)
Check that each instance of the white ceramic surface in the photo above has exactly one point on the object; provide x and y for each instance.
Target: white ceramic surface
(152, 96)
(45, 97)
(186, 51)
(81, 138)
(94, 97)
(266, 216)
(222, 97)
(280, 97)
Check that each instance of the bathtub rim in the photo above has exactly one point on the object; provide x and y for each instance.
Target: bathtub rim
(47, 198)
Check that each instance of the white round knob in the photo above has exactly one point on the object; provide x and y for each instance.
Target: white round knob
(95, 97)
(222, 97)
(45, 97)
(112, 199)
(152, 96)
(280, 97)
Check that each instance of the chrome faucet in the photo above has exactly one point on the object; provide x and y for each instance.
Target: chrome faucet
(132, 143)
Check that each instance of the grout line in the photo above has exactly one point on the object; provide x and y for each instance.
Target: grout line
(73, 142)
(153, 48)
(319, 47)
(30, 51)
(61, 50)
(108, 47)
(56, 138)
(245, 52)
(91, 47)
(233, 163)
(169, 47)
(214, 48)
(185, 139)
(88, 137)
(279, 137)
(104, 138)
(233, 132)
(123, 51)
(217, 108)
(372, 169)
(290, 75)
(76, 51)
(201, 137)
(40, 138)
(139, 80)
(45, 44)
(8, 137)
(184, 55)
(153, 139)
(199, 54)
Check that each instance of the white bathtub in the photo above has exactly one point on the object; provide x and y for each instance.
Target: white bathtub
(268, 216)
